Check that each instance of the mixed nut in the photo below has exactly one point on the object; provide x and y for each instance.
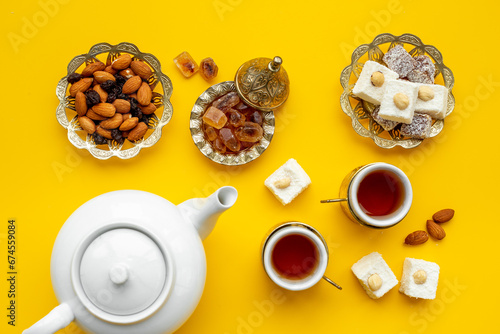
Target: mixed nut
(113, 101)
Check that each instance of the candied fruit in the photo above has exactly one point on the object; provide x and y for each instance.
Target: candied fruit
(215, 118)
(227, 101)
(228, 138)
(186, 64)
(400, 61)
(235, 118)
(211, 133)
(251, 132)
(209, 69)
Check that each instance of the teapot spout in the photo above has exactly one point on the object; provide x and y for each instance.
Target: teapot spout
(57, 319)
(204, 212)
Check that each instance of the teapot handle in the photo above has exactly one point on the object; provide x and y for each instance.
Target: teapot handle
(57, 319)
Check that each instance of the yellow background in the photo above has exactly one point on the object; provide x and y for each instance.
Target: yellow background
(44, 178)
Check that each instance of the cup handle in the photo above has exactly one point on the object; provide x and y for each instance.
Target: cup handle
(332, 282)
(334, 200)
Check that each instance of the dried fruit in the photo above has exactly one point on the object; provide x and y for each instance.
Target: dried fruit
(102, 76)
(228, 139)
(435, 230)
(377, 79)
(443, 216)
(113, 122)
(374, 282)
(104, 109)
(74, 77)
(149, 109)
(186, 64)
(401, 101)
(282, 183)
(416, 238)
(141, 69)
(87, 124)
(92, 67)
(80, 86)
(144, 94)
(109, 86)
(209, 69)
(250, 132)
(215, 118)
(98, 139)
(425, 93)
(132, 85)
(420, 277)
(80, 104)
(129, 123)
(138, 132)
(122, 106)
(122, 62)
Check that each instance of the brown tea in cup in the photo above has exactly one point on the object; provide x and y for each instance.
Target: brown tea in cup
(380, 193)
(295, 256)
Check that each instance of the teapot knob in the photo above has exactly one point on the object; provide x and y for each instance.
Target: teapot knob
(118, 274)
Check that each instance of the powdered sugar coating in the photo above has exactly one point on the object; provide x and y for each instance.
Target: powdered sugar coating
(399, 60)
(420, 127)
(384, 123)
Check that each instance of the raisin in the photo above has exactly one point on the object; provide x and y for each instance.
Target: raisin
(108, 86)
(120, 80)
(98, 139)
(123, 96)
(92, 98)
(111, 97)
(74, 77)
(117, 135)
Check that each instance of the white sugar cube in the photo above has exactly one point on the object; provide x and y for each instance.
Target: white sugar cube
(388, 108)
(364, 88)
(437, 106)
(288, 181)
(420, 278)
(369, 266)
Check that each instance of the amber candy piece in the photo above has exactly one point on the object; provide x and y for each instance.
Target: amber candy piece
(227, 101)
(235, 118)
(186, 64)
(256, 117)
(246, 144)
(209, 69)
(215, 117)
(228, 138)
(211, 133)
(219, 145)
(241, 107)
(251, 132)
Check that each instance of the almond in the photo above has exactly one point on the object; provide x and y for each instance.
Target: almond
(435, 230)
(104, 132)
(138, 132)
(416, 238)
(92, 67)
(81, 104)
(110, 70)
(80, 86)
(92, 115)
(443, 216)
(122, 106)
(104, 109)
(132, 85)
(129, 123)
(144, 94)
(113, 122)
(127, 116)
(121, 62)
(149, 109)
(127, 73)
(102, 76)
(102, 93)
(87, 124)
(141, 69)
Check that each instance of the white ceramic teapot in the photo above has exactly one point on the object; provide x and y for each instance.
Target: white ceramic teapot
(131, 262)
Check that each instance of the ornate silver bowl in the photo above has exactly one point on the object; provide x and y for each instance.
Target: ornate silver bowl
(196, 126)
(161, 98)
(360, 111)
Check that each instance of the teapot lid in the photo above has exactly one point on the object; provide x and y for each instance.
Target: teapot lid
(123, 273)
(263, 83)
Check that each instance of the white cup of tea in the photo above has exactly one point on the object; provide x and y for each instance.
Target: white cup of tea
(377, 195)
(295, 256)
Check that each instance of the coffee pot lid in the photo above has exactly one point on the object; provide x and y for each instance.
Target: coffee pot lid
(263, 83)
(123, 272)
